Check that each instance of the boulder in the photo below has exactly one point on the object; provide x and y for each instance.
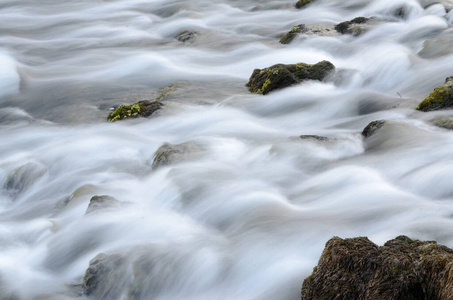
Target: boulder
(402, 269)
(101, 202)
(280, 76)
(143, 108)
(440, 98)
(354, 26)
(303, 3)
(168, 154)
(443, 122)
(308, 31)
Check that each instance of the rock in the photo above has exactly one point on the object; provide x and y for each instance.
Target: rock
(302, 3)
(280, 76)
(371, 128)
(402, 269)
(168, 154)
(289, 37)
(443, 122)
(103, 277)
(143, 108)
(187, 36)
(350, 27)
(101, 202)
(24, 177)
(315, 138)
(440, 98)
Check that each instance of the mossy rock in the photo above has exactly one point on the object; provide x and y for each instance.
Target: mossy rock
(303, 3)
(143, 108)
(289, 37)
(440, 98)
(348, 28)
(280, 76)
(402, 269)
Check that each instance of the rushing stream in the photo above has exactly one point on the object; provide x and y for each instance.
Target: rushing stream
(249, 217)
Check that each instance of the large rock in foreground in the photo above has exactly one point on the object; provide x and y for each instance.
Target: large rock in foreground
(402, 269)
(440, 98)
(280, 76)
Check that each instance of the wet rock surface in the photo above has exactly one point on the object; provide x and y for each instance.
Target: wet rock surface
(440, 98)
(354, 26)
(280, 76)
(101, 202)
(371, 128)
(187, 36)
(401, 269)
(303, 3)
(169, 154)
(143, 108)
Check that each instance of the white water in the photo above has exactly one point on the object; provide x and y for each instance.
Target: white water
(251, 216)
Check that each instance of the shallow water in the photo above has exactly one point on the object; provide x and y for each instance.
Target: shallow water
(249, 218)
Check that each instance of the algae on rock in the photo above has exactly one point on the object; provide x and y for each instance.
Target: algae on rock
(289, 37)
(263, 81)
(140, 109)
(440, 98)
(349, 28)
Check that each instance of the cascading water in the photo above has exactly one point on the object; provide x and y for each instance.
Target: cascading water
(248, 217)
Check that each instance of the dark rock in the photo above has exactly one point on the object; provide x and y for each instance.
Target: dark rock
(289, 37)
(402, 269)
(440, 98)
(280, 76)
(187, 36)
(302, 3)
(101, 202)
(168, 154)
(143, 108)
(349, 28)
(371, 128)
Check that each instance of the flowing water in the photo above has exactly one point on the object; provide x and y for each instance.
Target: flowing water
(249, 218)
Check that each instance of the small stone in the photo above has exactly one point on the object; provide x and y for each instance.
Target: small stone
(371, 128)
(440, 98)
(101, 202)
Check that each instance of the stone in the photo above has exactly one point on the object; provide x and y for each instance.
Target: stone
(101, 202)
(402, 269)
(349, 27)
(263, 81)
(169, 154)
(187, 36)
(371, 128)
(143, 108)
(289, 37)
(303, 3)
(440, 98)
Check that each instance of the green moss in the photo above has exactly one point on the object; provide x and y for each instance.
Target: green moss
(124, 111)
(435, 99)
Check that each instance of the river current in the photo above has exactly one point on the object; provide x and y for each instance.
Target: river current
(249, 218)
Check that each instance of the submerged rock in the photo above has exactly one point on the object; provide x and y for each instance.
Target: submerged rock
(168, 154)
(302, 3)
(143, 108)
(440, 98)
(24, 177)
(307, 31)
(443, 122)
(351, 27)
(402, 269)
(371, 128)
(101, 202)
(280, 76)
(103, 276)
(187, 36)
(315, 138)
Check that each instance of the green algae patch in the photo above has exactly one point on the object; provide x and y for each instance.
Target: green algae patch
(295, 30)
(302, 3)
(263, 81)
(140, 109)
(440, 98)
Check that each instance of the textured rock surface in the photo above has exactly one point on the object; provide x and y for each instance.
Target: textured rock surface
(440, 98)
(350, 27)
(143, 108)
(402, 269)
(371, 128)
(289, 37)
(280, 76)
(302, 3)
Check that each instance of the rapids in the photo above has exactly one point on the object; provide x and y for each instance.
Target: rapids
(251, 216)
